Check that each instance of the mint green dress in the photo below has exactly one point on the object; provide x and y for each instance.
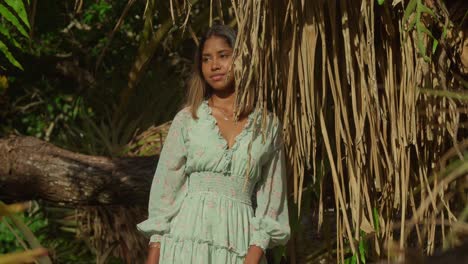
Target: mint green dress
(200, 205)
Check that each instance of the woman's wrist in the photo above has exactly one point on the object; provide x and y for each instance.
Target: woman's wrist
(254, 255)
(154, 249)
(154, 245)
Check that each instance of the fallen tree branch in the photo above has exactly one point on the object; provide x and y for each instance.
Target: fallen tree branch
(35, 169)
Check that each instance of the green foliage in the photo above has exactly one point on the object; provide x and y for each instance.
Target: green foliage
(6, 52)
(13, 19)
(375, 216)
(418, 9)
(52, 233)
(8, 240)
(97, 12)
(58, 111)
(23, 235)
(49, 43)
(6, 33)
(363, 251)
(18, 7)
(108, 136)
(53, 103)
(363, 248)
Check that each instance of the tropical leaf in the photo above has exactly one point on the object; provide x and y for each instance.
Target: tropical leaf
(19, 8)
(5, 12)
(417, 9)
(19, 21)
(4, 31)
(9, 56)
(409, 10)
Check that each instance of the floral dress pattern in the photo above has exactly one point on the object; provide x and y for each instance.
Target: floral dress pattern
(200, 205)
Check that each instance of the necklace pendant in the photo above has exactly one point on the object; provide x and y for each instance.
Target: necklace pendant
(225, 118)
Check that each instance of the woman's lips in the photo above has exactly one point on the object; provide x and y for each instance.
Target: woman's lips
(217, 77)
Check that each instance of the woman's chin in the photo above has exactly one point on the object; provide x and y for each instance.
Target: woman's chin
(221, 87)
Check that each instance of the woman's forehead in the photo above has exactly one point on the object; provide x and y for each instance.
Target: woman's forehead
(215, 44)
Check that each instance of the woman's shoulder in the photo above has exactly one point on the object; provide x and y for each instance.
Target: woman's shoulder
(187, 112)
(181, 117)
(183, 113)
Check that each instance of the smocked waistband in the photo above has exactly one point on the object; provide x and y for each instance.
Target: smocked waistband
(230, 186)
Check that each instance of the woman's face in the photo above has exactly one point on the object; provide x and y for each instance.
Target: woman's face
(217, 63)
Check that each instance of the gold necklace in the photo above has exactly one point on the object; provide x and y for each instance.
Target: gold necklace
(225, 116)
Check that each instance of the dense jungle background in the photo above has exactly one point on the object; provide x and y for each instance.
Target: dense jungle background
(373, 96)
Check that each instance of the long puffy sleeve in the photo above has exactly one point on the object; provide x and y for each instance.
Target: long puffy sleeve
(270, 225)
(169, 185)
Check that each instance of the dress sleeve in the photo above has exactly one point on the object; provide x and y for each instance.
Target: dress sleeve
(169, 185)
(270, 225)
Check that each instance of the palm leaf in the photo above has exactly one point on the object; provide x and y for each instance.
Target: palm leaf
(13, 20)
(18, 7)
(9, 56)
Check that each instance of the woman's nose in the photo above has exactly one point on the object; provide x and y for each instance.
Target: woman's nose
(215, 65)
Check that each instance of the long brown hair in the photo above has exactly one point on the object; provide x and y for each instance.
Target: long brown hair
(198, 89)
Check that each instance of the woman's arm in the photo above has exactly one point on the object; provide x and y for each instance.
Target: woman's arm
(270, 225)
(153, 253)
(254, 255)
(169, 186)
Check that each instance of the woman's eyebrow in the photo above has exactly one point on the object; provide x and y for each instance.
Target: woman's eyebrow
(219, 52)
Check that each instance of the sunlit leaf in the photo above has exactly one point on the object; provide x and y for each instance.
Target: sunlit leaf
(28, 256)
(18, 7)
(435, 43)
(12, 19)
(426, 9)
(12, 208)
(409, 10)
(9, 56)
(375, 215)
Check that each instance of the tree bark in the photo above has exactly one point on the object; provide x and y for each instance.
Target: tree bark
(35, 169)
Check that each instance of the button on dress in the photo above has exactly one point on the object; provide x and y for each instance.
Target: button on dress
(200, 205)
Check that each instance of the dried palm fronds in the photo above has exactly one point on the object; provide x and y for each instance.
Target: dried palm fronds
(149, 142)
(345, 77)
(111, 231)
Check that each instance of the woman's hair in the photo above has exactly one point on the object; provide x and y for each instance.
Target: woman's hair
(198, 89)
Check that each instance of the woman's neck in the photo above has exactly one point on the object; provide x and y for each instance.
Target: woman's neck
(223, 99)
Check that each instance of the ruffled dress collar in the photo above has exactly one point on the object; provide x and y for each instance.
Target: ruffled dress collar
(207, 111)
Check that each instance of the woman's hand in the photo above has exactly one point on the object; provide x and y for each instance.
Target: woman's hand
(254, 255)
(153, 253)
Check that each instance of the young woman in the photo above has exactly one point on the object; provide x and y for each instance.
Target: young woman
(211, 165)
